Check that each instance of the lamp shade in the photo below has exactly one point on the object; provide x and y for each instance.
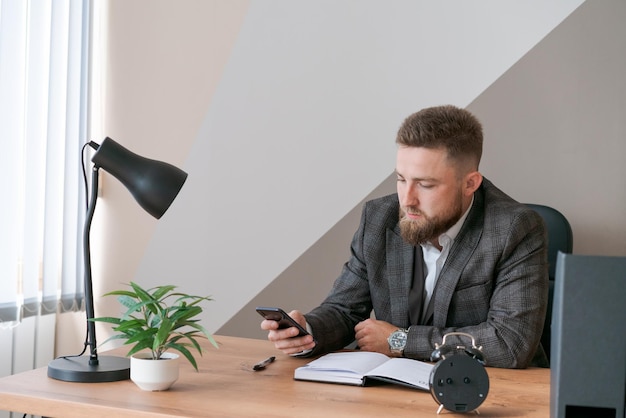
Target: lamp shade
(153, 184)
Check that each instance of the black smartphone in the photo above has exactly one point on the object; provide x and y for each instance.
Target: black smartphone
(280, 316)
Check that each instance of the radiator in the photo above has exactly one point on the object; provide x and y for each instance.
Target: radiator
(26, 346)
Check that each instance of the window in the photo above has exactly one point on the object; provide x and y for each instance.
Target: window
(43, 114)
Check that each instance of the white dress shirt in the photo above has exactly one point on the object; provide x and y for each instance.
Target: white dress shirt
(435, 259)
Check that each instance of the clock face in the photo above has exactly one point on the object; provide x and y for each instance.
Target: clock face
(459, 383)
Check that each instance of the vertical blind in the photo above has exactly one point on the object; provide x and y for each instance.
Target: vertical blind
(43, 114)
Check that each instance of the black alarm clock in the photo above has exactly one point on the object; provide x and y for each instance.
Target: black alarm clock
(459, 381)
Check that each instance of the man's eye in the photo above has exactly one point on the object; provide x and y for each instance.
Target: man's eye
(400, 179)
(426, 186)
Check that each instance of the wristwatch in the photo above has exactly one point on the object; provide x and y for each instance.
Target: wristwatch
(397, 341)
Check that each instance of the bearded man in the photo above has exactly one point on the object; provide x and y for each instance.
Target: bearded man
(450, 252)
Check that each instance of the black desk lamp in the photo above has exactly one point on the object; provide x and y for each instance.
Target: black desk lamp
(154, 185)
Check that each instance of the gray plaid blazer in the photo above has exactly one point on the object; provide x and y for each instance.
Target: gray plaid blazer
(494, 284)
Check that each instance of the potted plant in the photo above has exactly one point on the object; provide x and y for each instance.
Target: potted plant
(157, 320)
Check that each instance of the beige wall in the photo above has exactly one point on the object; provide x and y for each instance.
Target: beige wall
(284, 114)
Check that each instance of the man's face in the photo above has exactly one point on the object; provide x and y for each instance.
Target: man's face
(430, 193)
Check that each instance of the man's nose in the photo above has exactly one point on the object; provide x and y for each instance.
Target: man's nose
(410, 197)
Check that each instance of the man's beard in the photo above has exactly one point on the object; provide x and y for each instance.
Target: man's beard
(428, 229)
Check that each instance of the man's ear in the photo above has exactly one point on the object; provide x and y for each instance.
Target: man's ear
(472, 182)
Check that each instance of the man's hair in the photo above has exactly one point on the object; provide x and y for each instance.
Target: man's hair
(445, 127)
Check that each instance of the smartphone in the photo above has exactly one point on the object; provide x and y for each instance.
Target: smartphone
(280, 316)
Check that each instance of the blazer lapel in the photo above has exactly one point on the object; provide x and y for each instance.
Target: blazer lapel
(462, 249)
(400, 271)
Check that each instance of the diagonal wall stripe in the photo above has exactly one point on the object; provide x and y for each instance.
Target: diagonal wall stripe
(557, 126)
(301, 127)
(533, 89)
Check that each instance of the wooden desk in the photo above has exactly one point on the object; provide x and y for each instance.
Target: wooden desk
(226, 386)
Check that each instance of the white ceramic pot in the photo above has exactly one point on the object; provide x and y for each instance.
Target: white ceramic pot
(154, 375)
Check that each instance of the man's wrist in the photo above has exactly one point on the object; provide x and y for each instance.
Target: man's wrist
(397, 341)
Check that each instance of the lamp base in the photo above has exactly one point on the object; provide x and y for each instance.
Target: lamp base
(78, 369)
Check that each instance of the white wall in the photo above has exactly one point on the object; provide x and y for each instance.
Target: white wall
(284, 113)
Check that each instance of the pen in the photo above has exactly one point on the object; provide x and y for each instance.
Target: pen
(262, 364)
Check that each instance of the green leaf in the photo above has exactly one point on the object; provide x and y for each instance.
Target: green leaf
(162, 291)
(137, 348)
(183, 350)
(121, 292)
(106, 319)
(161, 336)
(187, 312)
(146, 335)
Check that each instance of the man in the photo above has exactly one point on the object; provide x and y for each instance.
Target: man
(449, 253)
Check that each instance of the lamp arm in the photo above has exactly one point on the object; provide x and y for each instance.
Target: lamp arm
(89, 309)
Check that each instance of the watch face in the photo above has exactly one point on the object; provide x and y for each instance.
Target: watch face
(397, 341)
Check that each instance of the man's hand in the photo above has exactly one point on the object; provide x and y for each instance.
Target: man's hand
(371, 335)
(284, 340)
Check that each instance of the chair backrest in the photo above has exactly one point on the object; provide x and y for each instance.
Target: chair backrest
(560, 238)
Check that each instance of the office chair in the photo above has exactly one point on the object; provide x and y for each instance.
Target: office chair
(560, 238)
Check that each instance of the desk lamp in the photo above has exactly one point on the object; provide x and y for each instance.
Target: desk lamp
(154, 185)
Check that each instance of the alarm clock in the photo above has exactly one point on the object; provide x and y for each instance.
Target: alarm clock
(459, 381)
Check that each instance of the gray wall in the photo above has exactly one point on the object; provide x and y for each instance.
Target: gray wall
(284, 114)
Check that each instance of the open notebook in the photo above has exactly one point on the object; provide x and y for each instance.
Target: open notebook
(363, 367)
